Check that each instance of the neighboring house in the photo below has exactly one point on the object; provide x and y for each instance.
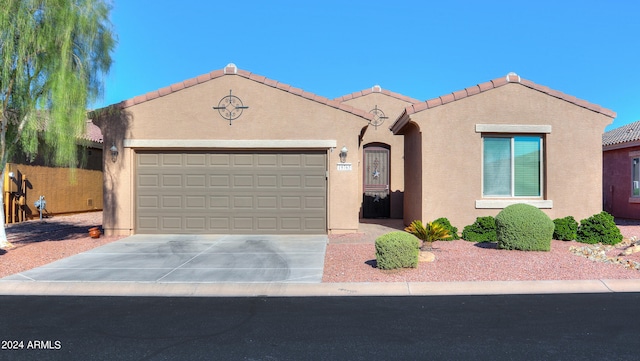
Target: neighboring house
(621, 171)
(475, 151)
(235, 152)
(64, 190)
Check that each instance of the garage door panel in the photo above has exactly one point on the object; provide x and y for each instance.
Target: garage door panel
(171, 202)
(148, 160)
(148, 180)
(242, 181)
(315, 160)
(235, 192)
(196, 180)
(219, 202)
(219, 160)
(220, 181)
(196, 160)
(148, 202)
(171, 180)
(169, 160)
(196, 202)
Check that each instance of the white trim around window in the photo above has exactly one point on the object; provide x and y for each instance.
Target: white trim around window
(502, 203)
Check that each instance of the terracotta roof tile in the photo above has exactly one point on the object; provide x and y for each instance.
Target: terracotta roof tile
(190, 82)
(433, 103)
(165, 91)
(473, 90)
(177, 86)
(623, 134)
(271, 82)
(231, 69)
(510, 78)
(376, 89)
(448, 98)
(460, 94)
(204, 77)
(152, 95)
(93, 133)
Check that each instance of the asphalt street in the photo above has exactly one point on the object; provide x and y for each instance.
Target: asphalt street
(496, 327)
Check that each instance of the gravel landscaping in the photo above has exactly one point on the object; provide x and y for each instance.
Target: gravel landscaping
(351, 257)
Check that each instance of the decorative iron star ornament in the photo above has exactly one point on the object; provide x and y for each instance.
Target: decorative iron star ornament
(376, 174)
(230, 107)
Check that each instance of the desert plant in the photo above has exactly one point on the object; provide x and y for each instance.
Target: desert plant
(565, 229)
(482, 230)
(453, 231)
(428, 233)
(524, 227)
(599, 228)
(397, 250)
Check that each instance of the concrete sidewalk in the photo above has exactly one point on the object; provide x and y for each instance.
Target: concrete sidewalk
(313, 289)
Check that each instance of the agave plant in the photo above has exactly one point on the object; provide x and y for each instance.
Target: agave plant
(429, 233)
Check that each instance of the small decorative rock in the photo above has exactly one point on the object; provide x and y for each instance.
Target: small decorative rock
(426, 256)
(598, 253)
(630, 250)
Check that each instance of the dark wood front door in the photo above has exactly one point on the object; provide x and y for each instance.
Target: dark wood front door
(375, 203)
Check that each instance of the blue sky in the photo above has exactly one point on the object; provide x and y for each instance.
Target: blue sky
(422, 49)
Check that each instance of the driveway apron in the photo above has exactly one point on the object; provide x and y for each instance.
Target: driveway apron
(192, 259)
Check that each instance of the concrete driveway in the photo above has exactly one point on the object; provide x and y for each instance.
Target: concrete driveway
(192, 259)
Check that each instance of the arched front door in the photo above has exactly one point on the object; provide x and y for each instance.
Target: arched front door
(375, 202)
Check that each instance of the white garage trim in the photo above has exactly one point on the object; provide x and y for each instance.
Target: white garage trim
(238, 144)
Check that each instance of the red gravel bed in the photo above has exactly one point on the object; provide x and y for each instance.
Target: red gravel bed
(41, 242)
(467, 261)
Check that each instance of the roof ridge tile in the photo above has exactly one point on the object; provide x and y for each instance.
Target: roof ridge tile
(498, 82)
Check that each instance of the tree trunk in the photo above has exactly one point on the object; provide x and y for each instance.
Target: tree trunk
(4, 242)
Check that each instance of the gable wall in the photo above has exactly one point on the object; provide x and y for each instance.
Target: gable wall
(452, 152)
(392, 107)
(273, 115)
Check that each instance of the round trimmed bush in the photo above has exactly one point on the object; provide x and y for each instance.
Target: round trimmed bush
(599, 228)
(482, 230)
(524, 227)
(397, 250)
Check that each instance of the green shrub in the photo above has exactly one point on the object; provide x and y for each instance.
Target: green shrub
(453, 231)
(397, 250)
(524, 227)
(565, 229)
(599, 228)
(482, 230)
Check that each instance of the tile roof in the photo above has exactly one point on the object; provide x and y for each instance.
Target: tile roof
(93, 133)
(624, 134)
(232, 69)
(496, 83)
(376, 89)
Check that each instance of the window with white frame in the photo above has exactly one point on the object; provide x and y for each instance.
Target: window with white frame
(635, 177)
(512, 166)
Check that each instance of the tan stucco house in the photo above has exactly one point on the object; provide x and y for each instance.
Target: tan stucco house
(235, 152)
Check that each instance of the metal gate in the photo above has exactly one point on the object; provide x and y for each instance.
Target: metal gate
(375, 203)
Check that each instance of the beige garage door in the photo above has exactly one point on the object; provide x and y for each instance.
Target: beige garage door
(240, 192)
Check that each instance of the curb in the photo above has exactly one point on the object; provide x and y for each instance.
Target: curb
(137, 289)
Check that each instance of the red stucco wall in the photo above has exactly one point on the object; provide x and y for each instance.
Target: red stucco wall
(616, 183)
